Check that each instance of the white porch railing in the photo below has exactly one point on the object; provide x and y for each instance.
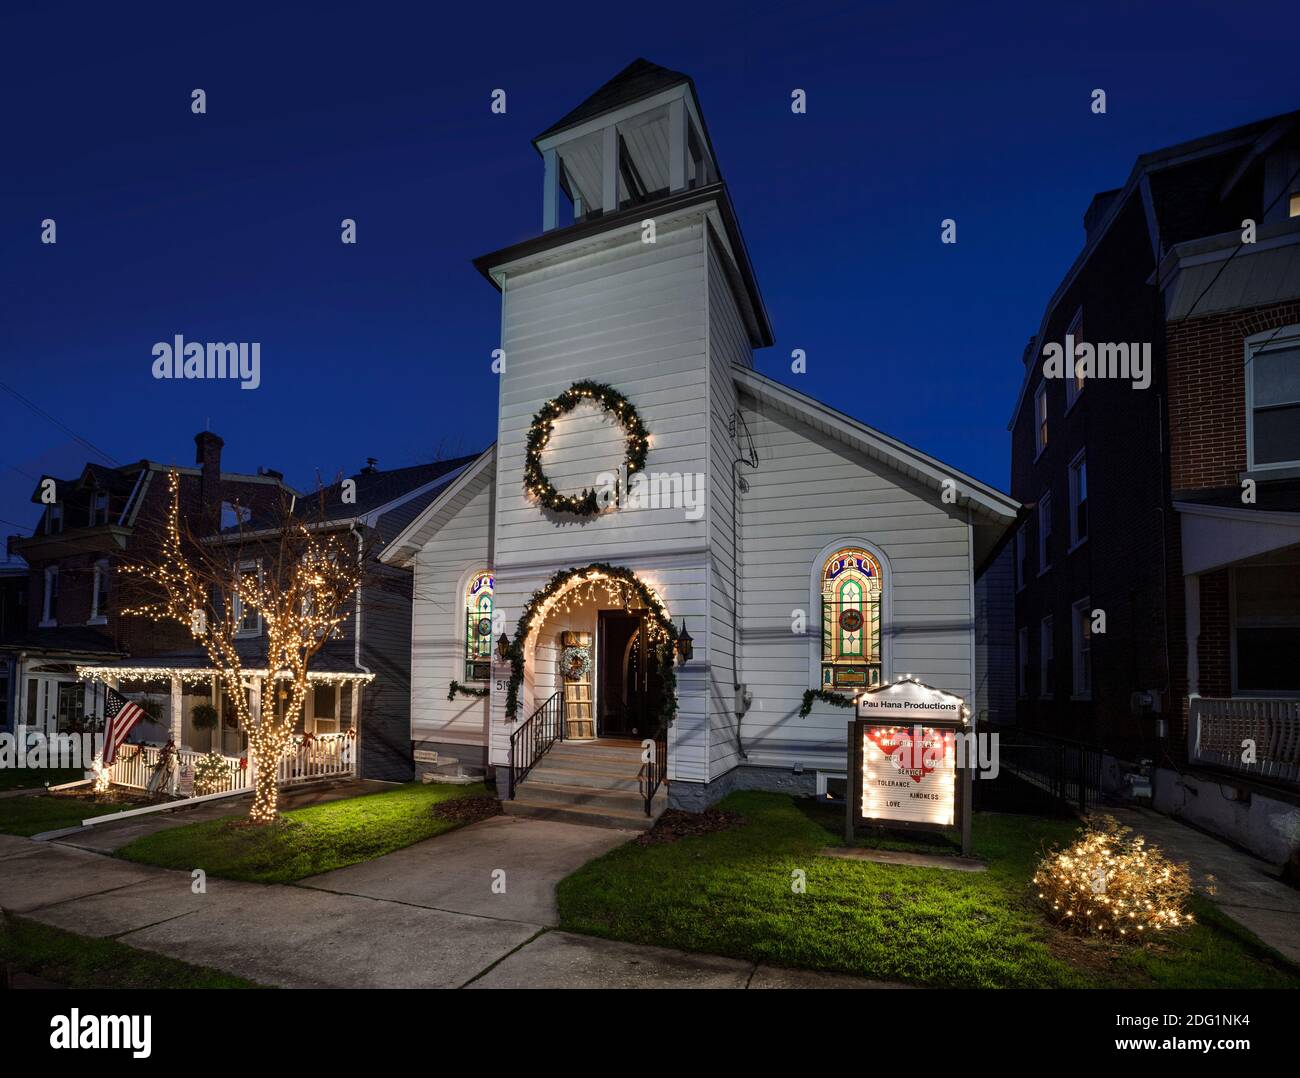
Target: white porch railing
(325, 756)
(1219, 726)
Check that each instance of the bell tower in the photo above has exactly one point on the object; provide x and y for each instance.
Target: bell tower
(633, 305)
(636, 140)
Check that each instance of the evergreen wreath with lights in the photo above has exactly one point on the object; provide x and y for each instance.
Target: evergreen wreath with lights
(637, 440)
(575, 663)
(637, 588)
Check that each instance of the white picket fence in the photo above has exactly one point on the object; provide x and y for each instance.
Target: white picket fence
(1222, 727)
(325, 756)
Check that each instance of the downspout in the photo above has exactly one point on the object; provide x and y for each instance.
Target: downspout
(356, 653)
(737, 484)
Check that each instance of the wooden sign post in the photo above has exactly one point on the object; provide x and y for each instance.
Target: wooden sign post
(903, 761)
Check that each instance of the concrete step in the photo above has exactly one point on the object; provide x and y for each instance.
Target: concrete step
(554, 794)
(558, 774)
(593, 760)
(583, 815)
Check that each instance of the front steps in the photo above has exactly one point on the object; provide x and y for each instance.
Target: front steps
(596, 783)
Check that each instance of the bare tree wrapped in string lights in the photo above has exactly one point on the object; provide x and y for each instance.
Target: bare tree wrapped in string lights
(299, 580)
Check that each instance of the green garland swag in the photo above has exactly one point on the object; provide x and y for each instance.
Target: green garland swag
(585, 504)
(825, 696)
(556, 584)
(464, 690)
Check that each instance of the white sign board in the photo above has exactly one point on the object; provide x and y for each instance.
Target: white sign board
(907, 755)
(425, 756)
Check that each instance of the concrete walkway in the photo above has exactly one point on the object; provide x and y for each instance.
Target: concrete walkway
(472, 908)
(1244, 887)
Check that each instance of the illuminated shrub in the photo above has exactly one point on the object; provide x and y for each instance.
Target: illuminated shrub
(1109, 882)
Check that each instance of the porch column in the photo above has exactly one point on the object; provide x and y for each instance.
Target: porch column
(177, 727)
(255, 713)
(1192, 624)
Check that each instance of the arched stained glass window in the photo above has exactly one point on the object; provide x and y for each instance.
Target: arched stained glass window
(478, 627)
(852, 589)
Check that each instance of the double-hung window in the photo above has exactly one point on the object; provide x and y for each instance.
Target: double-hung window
(1045, 549)
(1273, 400)
(1081, 646)
(1046, 668)
(1078, 499)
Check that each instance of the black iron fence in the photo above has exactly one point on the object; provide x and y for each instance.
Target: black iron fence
(1040, 773)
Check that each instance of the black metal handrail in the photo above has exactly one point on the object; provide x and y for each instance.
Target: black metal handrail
(533, 737)
(655, 770)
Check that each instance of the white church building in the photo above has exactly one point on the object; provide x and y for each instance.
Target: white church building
(664, 545)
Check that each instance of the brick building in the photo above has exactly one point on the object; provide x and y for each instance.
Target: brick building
(68, 609)
(1158, 567)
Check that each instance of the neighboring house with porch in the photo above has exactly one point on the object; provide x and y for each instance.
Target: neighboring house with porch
(64, 608)
(1174, 510)
(357, 710)
(648, 485)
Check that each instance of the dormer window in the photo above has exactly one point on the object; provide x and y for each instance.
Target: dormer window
(54, 518)
(98, 508)
(1295, 204)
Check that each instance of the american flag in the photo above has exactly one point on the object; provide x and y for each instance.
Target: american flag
(119, 716)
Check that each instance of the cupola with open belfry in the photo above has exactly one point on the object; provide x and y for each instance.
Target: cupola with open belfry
(636, 140)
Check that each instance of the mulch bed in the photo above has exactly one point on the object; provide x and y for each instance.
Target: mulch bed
(467, 809)
(675, 825)
(111, 796)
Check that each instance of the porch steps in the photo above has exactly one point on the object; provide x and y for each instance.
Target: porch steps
(594, 783)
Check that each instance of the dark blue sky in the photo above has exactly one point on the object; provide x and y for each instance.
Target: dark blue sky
(225, 226)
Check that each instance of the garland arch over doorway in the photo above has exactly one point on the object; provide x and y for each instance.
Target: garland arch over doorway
(625, 586)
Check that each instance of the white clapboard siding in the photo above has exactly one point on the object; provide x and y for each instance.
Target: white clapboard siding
(811, 491)
(442, 567)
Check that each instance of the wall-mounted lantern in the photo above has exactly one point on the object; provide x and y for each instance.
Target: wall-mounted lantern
(685, 646)
(503, 647)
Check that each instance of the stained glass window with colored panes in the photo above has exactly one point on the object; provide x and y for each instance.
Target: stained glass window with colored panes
(478, 627)
(852, 589)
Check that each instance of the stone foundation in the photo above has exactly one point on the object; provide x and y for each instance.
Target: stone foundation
(697, 796)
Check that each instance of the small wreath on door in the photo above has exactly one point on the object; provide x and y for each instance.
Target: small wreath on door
(575, 663)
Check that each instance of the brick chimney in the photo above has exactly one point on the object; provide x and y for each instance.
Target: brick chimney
(208, 456)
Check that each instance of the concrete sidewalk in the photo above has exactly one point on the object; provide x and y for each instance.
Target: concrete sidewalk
(434, 915)
(1244, 887)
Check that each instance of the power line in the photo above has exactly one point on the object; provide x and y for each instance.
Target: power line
(62, 426)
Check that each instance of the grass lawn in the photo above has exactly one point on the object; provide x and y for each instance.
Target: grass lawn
(30, 814)
(21, 778)
(81, 962)
(306, 841)
(730, 893)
